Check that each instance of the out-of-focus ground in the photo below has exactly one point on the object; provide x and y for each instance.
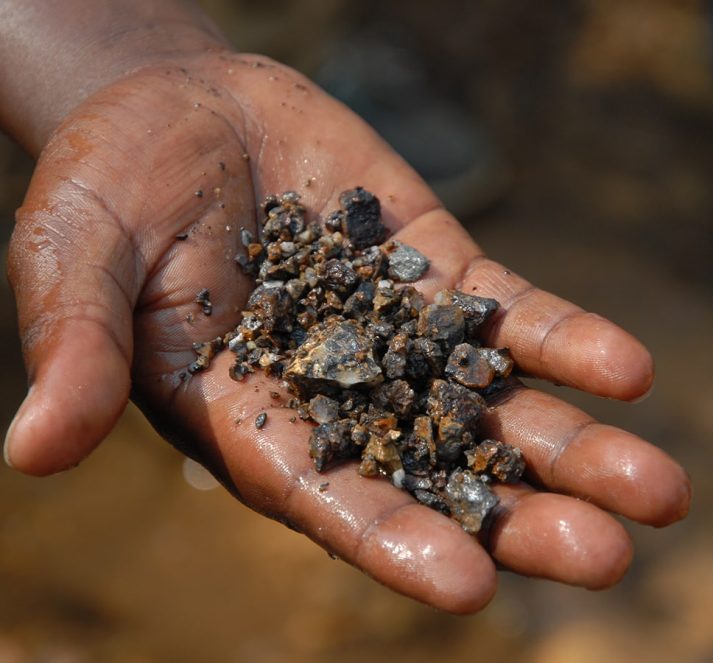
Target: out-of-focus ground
(594, 180)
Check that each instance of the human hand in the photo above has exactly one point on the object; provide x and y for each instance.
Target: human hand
(106, 299)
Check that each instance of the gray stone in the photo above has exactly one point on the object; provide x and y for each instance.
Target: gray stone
(406, 264)
(469, 499)
(337, 353)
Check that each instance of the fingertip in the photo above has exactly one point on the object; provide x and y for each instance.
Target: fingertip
(560, 538)
(611, 559)
(675, 500)
(640, 373)
(426, 556)
(77, 397)
(620, 366)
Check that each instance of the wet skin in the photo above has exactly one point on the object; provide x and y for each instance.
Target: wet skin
(106, 298)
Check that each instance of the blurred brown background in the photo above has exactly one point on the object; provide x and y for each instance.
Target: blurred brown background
(575, 139)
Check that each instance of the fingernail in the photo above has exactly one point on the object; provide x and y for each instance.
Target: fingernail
(6, 445)
(643, 397)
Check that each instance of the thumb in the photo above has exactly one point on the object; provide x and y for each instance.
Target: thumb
(74, 274)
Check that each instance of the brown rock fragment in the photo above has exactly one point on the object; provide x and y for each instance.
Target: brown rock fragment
(205, 351)
(418, 450)
(381, 455)
(496, 460)
(470, 367)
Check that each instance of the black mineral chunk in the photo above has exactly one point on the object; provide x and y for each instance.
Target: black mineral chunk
(442, 323)
(418, 449)
(273, 305)
(260, 420)
(476, 310)
(359, 303)
(431, 500)
(361, 219)
(339, 276)
(456, 411)
(331, 441)
(203, 298)
(425, 359)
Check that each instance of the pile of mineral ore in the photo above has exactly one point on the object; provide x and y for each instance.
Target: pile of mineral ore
(387, 378)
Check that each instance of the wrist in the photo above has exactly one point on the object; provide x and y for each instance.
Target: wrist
(50, 62)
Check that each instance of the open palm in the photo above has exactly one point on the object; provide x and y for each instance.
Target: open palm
(137, 205)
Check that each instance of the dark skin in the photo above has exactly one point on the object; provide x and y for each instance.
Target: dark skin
(127, 134)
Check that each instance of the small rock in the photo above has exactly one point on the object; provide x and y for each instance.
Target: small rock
(337, 353)
(469, 500)
(323, 409)
(203, 298)
(418, 451)
(470, 367)
(360, 302)
(273, 306)
(496, 460)
(381, 455)
(456, 412)
(500, 360)
(396, 395)
(361, 217)
(339, 277)
(205, 351)
(476, 310)
(329, 441)
(406, 264)
(443, 323)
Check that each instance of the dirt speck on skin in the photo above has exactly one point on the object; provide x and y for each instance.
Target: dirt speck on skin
(203, 298)
(261, 420)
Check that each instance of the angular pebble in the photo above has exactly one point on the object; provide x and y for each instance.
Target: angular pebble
(337, 353)
(406, 264)
(442, 323)
(476, 310)
(361, 217)
(497, 460)
(470, 367)
(323, 409)
(469, 500)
